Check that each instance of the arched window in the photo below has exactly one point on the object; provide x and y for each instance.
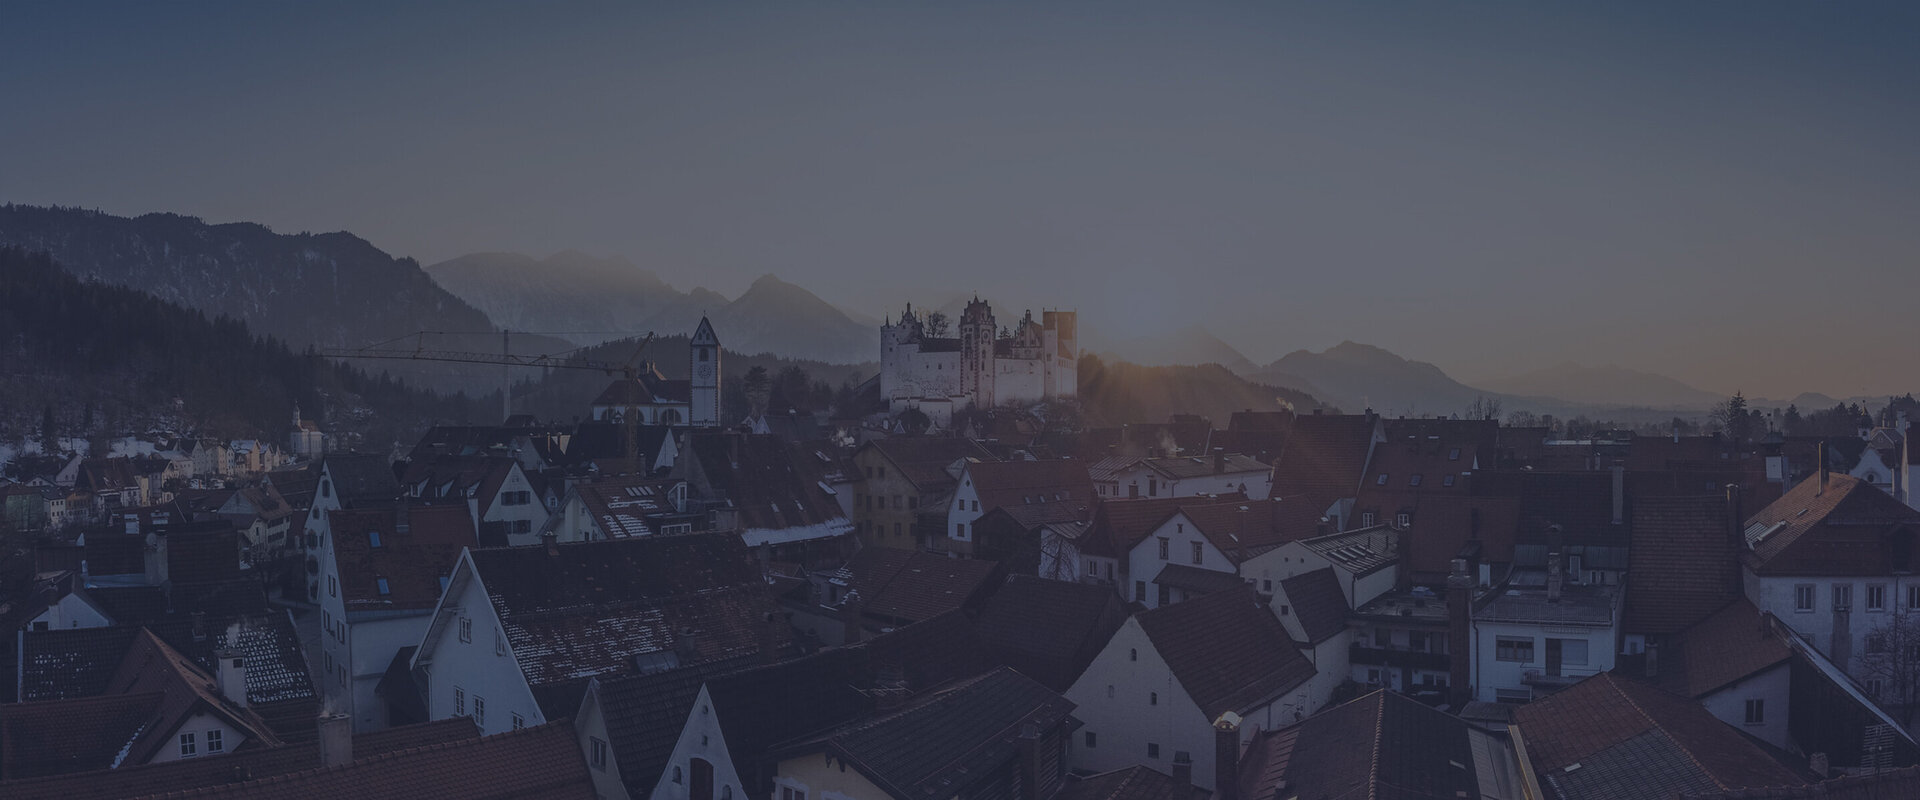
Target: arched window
(704, 355)
(702, 785)
(678, 777)
(1153, 698)
(1133, 654)
(670, 416)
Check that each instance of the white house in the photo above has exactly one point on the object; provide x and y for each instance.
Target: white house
(1362, 561)
(1530, 641)
(1155, 691)
(1200, 548)
(498, 493)
(381, 572)
(1315, 614)
(1182, 476)
(987, 485)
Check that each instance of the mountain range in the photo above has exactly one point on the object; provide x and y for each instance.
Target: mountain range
(591, 300)
(1607, 384)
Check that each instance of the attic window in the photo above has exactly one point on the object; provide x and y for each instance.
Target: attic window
(443, 583)
(1415, 480)
(1454, 454)
(373, 539)
(1382, 480)
(381, 584)
(1446, 480)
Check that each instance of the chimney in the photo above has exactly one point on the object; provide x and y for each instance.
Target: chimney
(552, 542)
(1653, 660)
(1459, 634)
(770, 636)
(850, 617)
(1556, 564)
(686, 646)
(1182, 777)
(1819, 764)
(1226, 757)
(231, 674)
(1736, 538)
(336, 740)
(199, 626)
(1619, 495)
(1029, 747)
(1219, 460)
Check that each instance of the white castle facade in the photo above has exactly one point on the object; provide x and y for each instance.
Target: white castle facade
(939, 375)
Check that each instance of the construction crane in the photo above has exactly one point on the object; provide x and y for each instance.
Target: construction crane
(630, 370)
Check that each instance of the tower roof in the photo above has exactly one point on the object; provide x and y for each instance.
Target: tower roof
(704, 334)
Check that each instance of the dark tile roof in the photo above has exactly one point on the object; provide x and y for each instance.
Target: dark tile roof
(645, 715)
(590, 607)
(1895, 784)
(1325, 455)
(1730, 645)
(1317, 603)
(71, 663)
(1195, 466)
(592, 441)
(1848, 528)
(648, 388)
(458, 476)
(1049, 630)
(624, 507)
(1442, 526)
(768, 482)
(1683, 562)
(1247, 528)
(1227, 649)
(56, 737)
(150, 666)
(412, 562)
(947, 742)
(1119, 525)
(1195, 580)
(901, 586)
(1138, 782)
(204, 556)
(196, 773)
(923, 460)
(543, 762)
(361, 476)
(1381, 745)
(1633, 739)
(1017, 484)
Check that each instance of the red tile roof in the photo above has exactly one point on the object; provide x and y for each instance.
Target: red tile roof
(1848, 528)
(923, 460)
(902, 586)
(1138, 782)
(1730, 645)
(1118, 525)
(1682, 560)
(1325, 456)
(1227, 649)
(1381, 745)
(412, 562)
(1444, 526)
(56, 737)
(1012, 484)
(150, 666)
(1316, 601)
(1049, 630)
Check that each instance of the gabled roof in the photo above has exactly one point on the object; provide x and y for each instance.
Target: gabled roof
(150, 666)
(479, 477)
(1626, 738)
(1381, 745)
(1729, 645)
(361, 476)
(770, 483)
(1683, 562)
(80, 662)
(1325, 455)
(544, 762)
(646, 388)
(901, 586)
(1014, 484)
(412, 561)
(1317, 603)
(1246, 529)
(1847, 528)
(944, 743)
(1138, 782)
(1049, 630)
(624, 507)
(1195, 580)
(196, 773)
(1442, 526)
(1227, 649)
(1119, 525)
(923, 460)
(589, 608)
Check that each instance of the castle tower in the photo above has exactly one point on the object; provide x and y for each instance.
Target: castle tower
(977, 334)
(704, 370)
(1062, 350)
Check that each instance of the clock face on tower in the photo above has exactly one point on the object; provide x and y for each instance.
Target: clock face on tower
(706, 370)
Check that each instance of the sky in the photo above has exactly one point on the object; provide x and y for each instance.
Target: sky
(1720, 192)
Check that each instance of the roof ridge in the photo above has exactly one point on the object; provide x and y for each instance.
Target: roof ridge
(1373, 762)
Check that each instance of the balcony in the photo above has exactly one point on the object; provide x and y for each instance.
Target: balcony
(1568, 676)
(1397, 659)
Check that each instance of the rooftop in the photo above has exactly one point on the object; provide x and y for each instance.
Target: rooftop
(1227, 649)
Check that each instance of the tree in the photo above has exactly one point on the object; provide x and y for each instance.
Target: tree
(49, 432)
(758, 389)
(1483, 407)
(1733, 418)
(1523, 419)
(1891, 665)
(936, 324)
(1791, 422)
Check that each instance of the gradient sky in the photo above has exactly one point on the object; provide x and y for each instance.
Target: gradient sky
(1722, 192)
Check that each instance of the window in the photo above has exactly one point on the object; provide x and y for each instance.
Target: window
(1573, 652)
(1266, 586)
(1373, 676)
(1199, 552)
(960, 530)
(1803, 597)
(466, 629)
(1403, 520)
(1153, 750)
(1843, 597)
(1512, 649)
(1454, 454)
(499, 643)
(479, 710)
(1163, 548)
(1153, 487)
(333, 587)
(1756, 712)
(976, 505)
(1381, 481)
(1382, 637)
(1092, 568)
(1284, 610)
(896, 529)
(1133, 654)
(790, 793)
(1415, 480)
(1090, 740)
(1446, 480)
(678, 776)
(519, 722)
(704, 355)
(1140, 591)
(381, 585)
(597, 753)
(522, 526)
(913, 502)
(373, 539)
(1877, 597)
(1153, 698)
(1913, 597)
(459, 702)
(1366, 519)
(187, 747)
(1166, 596)
(216, 741)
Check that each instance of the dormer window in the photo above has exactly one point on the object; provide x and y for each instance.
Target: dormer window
(1381, 481)
(1414, 481)
(381, 585)
(1454, 454)
(1446, 480)
(373, 539)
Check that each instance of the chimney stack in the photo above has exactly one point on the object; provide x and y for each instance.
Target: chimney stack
(1556, 564)
(336, 740)
(850, 617)
(1459, 633)
(552, 541)
(1182, 777)
(686, 646)
(770, 636)
(231, 676)
(1820, 765)
(1029, 747)
(1226, 757)
(1219, 460)
(1619, 495)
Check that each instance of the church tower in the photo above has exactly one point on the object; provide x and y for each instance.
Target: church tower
(705, 374)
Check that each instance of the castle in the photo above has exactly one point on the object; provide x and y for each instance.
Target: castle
(938, 375)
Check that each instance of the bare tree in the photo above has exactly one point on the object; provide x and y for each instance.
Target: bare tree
(936, 325)
(1891, 665)
(1483, 407)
